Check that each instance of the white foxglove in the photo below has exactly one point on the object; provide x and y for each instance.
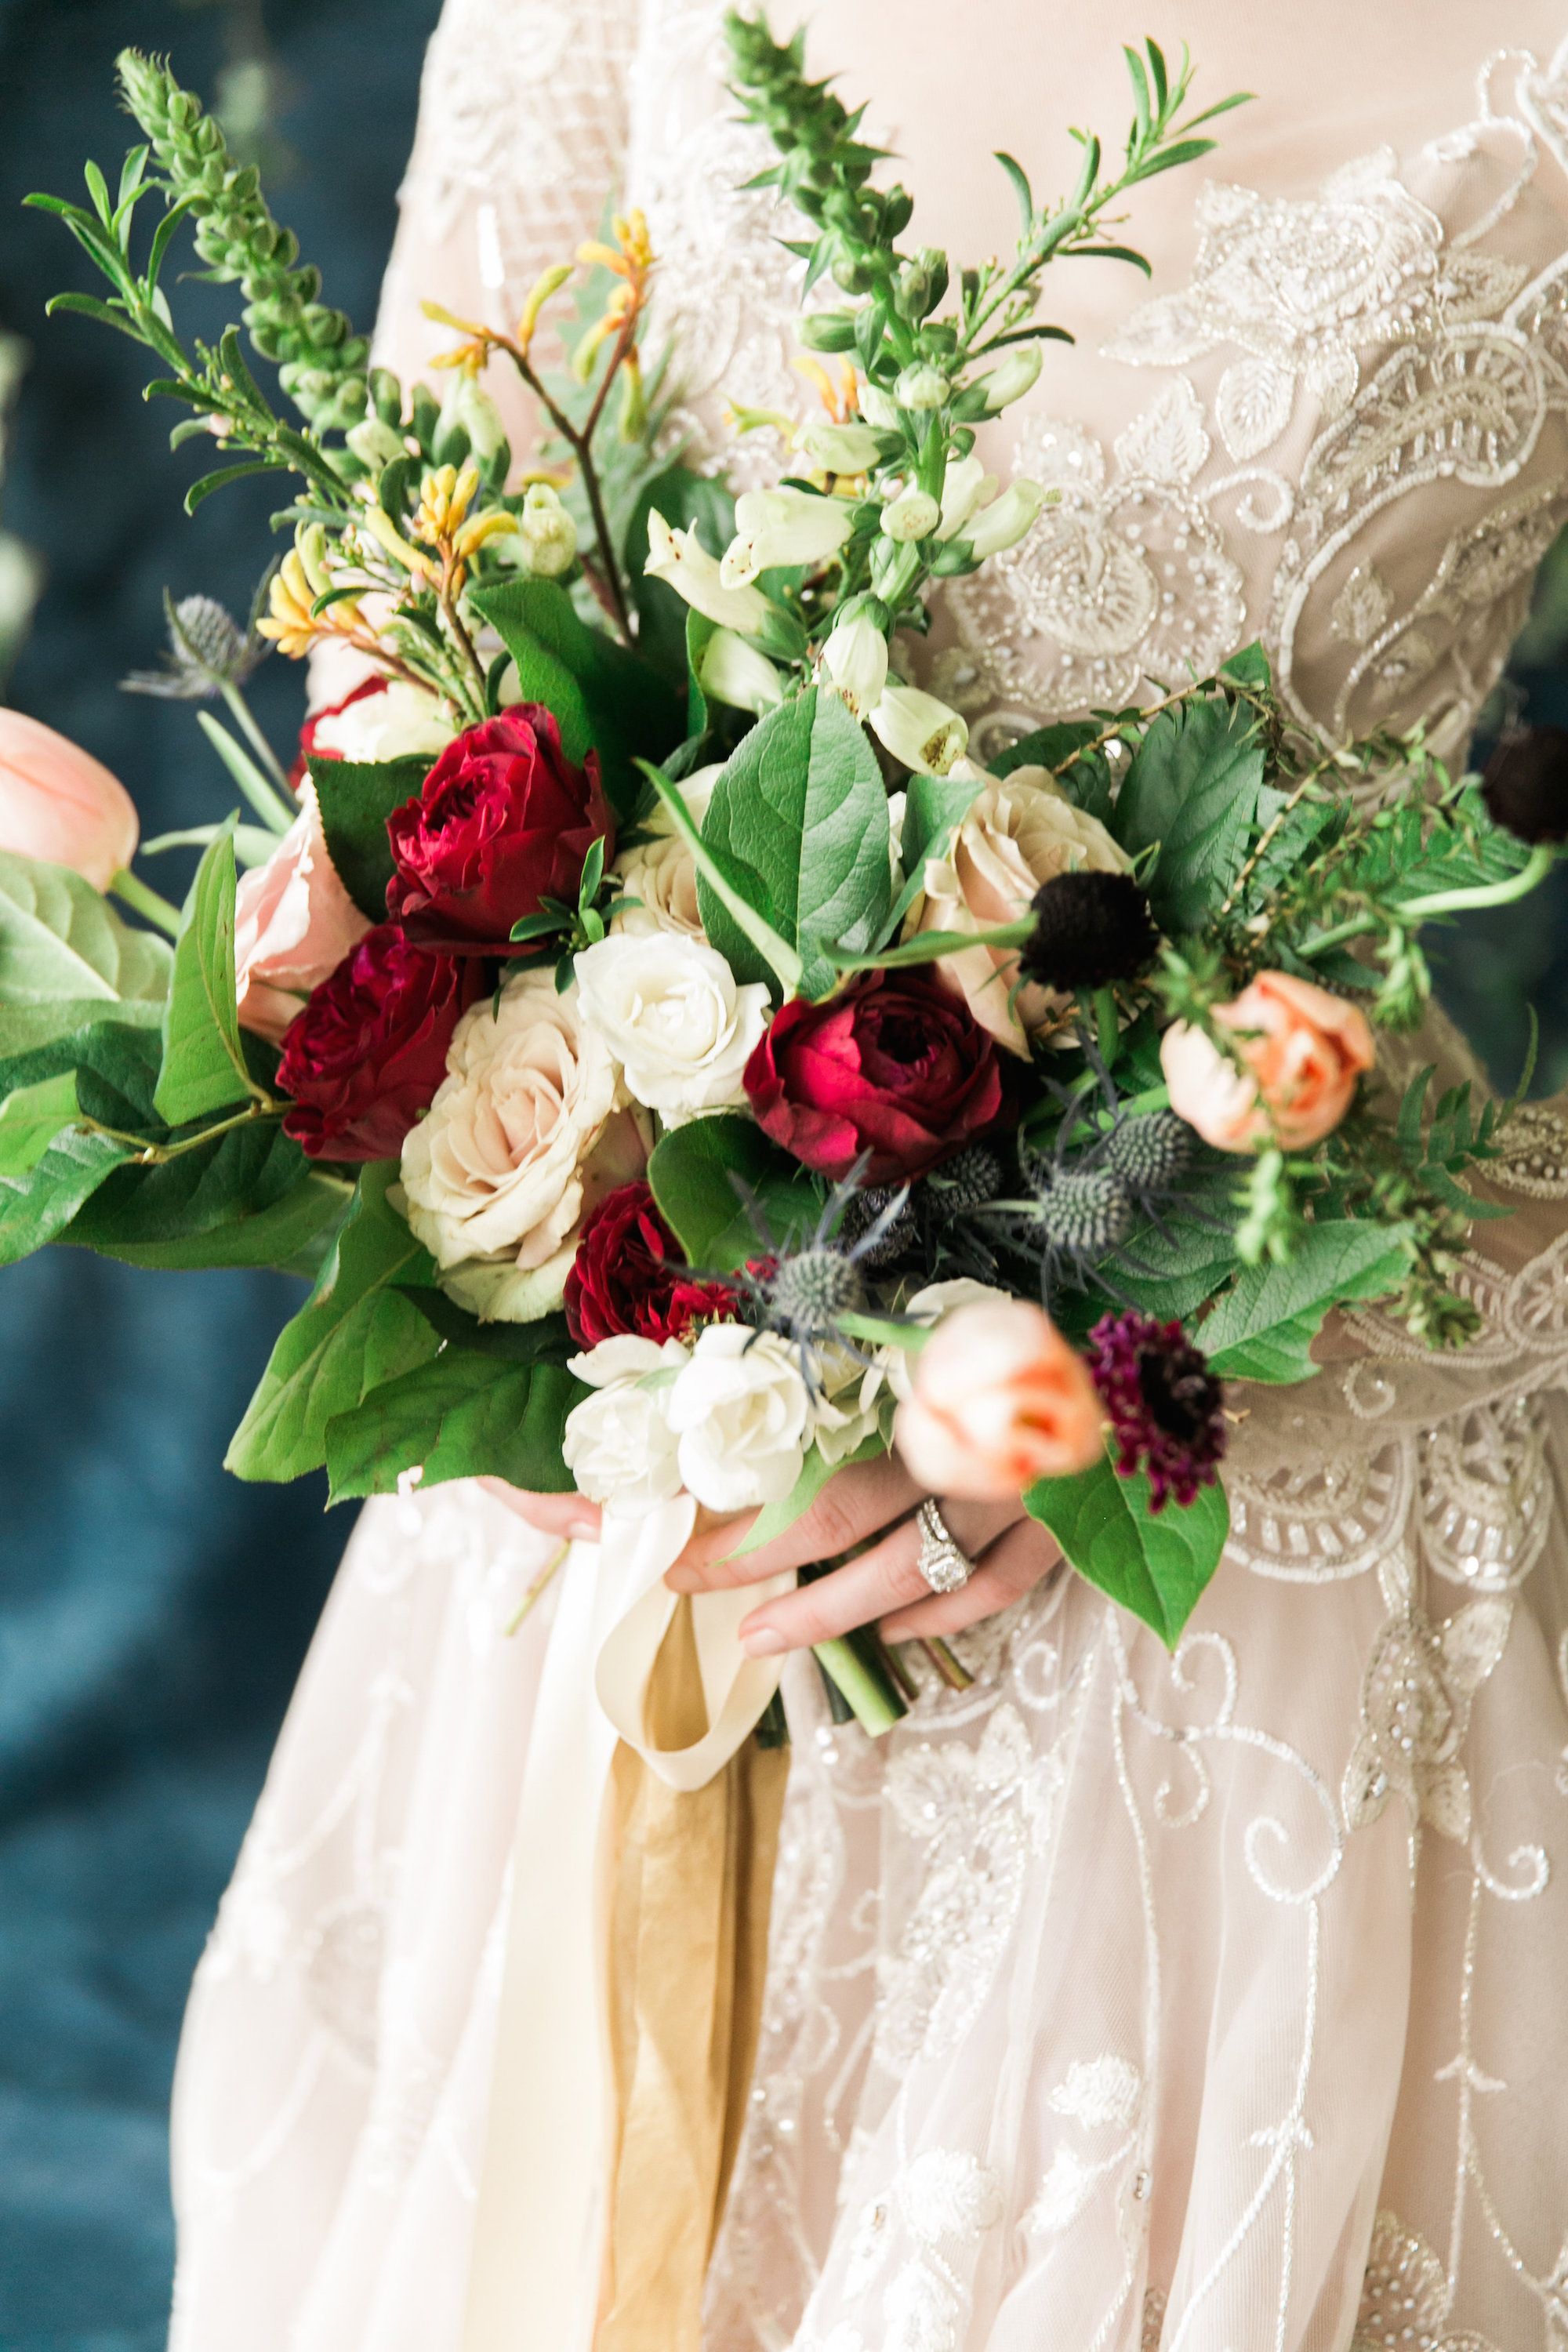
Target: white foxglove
(838, 449)
(546, 534)
(913, 514)
(680, 558)
(1013, 376)
(1006, 520)
(965, 486)
(733, 672)
(855, 663)
(919, 730)
(921, 387)
(783, 527)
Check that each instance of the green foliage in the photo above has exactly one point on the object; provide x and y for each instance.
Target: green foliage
(1154, 1563)
(604, 698)
(356, 1331)
(693, 1171)
(37, 1207)
(1264, 1326)
(289, 1231)
(61, 943)
(31, 1118)
(1191, 790)
(204, 1068)
(800, 813)
(356, 798)
(459, 1415)
(933, 806)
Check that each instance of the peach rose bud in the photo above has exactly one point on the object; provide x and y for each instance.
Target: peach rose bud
(999, 1400)
(1304, 1050)
(293, 924)
(57, 803)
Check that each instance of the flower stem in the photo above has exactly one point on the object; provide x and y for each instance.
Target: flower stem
(1534, 872)
(146, 901)
(539, 1586)
(259, 743)
(856, 1671)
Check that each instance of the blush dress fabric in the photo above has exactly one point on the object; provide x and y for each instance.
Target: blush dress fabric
(1213, 2003)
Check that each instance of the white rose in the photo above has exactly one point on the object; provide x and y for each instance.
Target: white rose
(1019, 831)
(739, 1411)
(845, 1410)
(660, 872)
(671, 1012)
(392, 725)
(525, 1135)
(618, 1444)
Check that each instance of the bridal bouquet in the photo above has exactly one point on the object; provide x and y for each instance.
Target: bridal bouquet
(680, 1068)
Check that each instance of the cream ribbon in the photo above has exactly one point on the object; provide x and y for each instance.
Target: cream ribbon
(534, 2272)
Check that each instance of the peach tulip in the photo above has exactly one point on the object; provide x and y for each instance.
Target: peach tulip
(294, 923)
(999, 1400)
(1303, 1051)
(57, 803)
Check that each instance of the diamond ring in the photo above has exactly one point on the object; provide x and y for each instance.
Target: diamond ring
(943, 1562)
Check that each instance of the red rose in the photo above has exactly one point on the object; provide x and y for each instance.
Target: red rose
(897, 1066)
(308, 750)
(630, 1274)
(503, 821)
(368, 1052)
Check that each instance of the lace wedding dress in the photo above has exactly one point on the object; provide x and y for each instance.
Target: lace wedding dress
(1216, 2004)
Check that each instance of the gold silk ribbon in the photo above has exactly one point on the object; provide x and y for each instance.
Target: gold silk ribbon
(634, 1951)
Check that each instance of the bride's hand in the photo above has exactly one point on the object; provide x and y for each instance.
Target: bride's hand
(883, 1584)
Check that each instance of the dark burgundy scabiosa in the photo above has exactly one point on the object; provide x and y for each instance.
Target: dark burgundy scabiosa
(1164, 1405)
(366, 1054)
(630, 1274)
(1089, 930)
(889, 1077)
(503, 821)
(1525, 786)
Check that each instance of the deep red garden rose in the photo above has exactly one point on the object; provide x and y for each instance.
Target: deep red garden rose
(309, 748)
(368, 1052)
(503, 821)
(630, 1274)
(898, 1065)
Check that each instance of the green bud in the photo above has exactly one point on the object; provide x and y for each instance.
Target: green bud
(827, 330)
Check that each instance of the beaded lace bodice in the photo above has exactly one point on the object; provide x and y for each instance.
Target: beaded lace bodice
(1123, 2004)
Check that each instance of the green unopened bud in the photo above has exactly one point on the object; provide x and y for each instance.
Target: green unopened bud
(838, 449)
(921, 387)
(733, 672)
(376, 445)
(1012, 378)
(827, 330)
(1006, 520)
(878, 408)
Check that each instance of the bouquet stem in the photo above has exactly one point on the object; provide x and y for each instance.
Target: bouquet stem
(856, 1668)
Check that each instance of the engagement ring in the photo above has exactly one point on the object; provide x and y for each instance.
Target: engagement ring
(943, 1562)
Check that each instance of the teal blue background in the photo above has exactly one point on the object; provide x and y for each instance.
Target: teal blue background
(153, 1612)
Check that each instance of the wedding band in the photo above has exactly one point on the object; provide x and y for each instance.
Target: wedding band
(943, 1562)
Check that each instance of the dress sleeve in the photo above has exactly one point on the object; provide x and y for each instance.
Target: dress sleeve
(521, 146)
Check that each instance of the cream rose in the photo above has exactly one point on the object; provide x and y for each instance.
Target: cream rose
(661, 873)
(1019, 831)
(675, 1018)
(525, 1135)
(618, 1444)
(739, 1411)
(293, 924)
(393, 725)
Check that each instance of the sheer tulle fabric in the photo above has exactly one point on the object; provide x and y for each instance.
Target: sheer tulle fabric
(1209, 2003)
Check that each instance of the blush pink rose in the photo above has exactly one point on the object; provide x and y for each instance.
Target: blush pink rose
(57, 803)
(293, 924)
(1303, 1051)
(1000, 1398)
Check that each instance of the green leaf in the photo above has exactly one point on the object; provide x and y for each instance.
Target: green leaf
(355, 1333)
(461, 1415)
(1264, 1326)
(31, 1118)
(35, 1208)
(1191, 786)
(605, 696)
(729, 885)
(514, 1343)
(684, 500)
(801, 812)
(285, 1232)
(1155, 1563)
(1251, 667)
(934, 806)
(356, 797)
(776, 1519)
(23, 1028)
(691, 1172)
(60, 939)
(204, 1066)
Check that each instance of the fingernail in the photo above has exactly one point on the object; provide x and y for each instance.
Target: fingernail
(762, 1641)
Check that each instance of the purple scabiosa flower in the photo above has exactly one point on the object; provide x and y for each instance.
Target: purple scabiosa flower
(1164, 1405)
